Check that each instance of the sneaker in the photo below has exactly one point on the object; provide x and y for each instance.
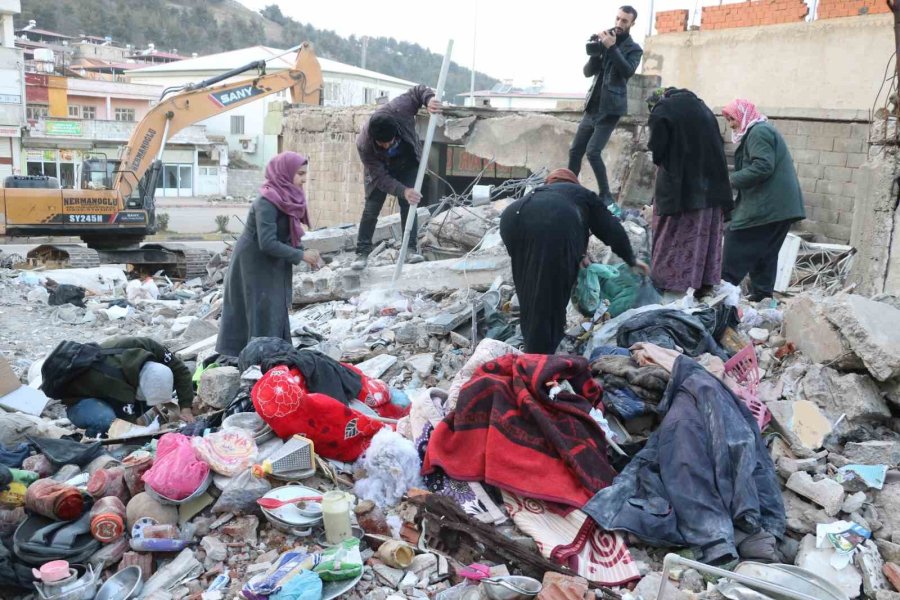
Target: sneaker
(412, 258)
(360, 263)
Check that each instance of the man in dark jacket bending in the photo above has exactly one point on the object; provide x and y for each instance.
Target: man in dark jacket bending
(390, 151)
(614, 57)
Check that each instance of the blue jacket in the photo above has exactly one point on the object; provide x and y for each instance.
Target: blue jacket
(703, 479)
(611, 69)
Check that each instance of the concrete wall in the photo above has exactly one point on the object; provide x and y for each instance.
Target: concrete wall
(828, 152)
(535, 140)
(244, 183)
(824, 64)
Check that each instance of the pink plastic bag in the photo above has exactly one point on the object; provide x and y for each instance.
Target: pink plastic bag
(176, 472)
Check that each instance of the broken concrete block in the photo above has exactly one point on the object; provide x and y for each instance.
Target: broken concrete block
(818, 560)
(858, 478)
(422, 364)
(872, 330)
(887, 595)
(447, 321)
(852, 394)
(853, 502)
(199, 329)
(873, 453)
(802, 422)
(464, 227)
(871, 567)
(887, 502)
(827, 493)
(219, 386)
(789, 466)
(806, 325)
(243, 529)
(216, 550)
(388, 575)
(802, 516)
(376, 367)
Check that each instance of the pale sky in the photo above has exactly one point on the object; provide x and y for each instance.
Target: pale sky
(513, 39)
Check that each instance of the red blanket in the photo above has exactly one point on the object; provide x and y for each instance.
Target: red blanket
(507, 431)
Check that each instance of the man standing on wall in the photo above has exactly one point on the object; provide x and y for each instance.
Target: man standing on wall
(390, 151)
(614, 57)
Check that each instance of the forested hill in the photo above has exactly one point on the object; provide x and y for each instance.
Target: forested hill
(209, 26)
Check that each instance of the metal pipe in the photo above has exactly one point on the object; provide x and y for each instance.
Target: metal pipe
(758, 584)
(423, 163)
(165, 136)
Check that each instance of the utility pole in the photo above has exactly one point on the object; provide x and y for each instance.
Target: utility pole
(365, 47)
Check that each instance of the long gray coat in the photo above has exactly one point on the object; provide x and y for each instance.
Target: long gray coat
(258, 284)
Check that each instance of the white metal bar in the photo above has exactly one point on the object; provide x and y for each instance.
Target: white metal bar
(423, 163)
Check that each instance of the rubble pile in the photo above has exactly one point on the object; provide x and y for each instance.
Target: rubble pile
(402, 446)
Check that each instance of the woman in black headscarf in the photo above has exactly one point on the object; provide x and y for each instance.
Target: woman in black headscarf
(546, 234)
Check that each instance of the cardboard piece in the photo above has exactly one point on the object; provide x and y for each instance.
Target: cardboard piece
(15, 397)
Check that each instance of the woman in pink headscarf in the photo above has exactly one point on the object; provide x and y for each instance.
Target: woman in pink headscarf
(768, 201)
(258, 285)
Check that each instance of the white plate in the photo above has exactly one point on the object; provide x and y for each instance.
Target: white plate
(289, 513)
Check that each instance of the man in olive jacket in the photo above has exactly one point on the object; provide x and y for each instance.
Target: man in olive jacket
(136, 374)
(769, 200)
(614, 58)
(390, 150)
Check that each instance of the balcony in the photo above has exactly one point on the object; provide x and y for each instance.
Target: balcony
(87, 131)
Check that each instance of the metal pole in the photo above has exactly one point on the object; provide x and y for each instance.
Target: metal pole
(423, 163)
(474, 44)
(650, 24)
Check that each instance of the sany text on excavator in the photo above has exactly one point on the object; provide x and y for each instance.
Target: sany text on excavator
(115, 209)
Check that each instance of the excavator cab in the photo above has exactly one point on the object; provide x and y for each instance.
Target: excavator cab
(98, 172)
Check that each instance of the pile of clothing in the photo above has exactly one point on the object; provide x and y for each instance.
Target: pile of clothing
(629, 389)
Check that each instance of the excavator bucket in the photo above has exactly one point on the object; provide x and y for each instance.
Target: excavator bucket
(308, 89)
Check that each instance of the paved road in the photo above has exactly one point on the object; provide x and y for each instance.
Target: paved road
(23, 249)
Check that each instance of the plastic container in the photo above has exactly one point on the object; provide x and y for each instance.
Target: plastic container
(336, 514)
(109, 482)
(108, 519)
(136, 464)
(744, 368)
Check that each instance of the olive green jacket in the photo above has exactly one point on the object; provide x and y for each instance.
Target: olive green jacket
(766, 181)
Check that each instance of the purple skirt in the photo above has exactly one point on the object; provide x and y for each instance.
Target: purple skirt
(687, 250)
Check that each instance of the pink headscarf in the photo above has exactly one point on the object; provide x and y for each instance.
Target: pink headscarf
(745, 112)
(279, 189)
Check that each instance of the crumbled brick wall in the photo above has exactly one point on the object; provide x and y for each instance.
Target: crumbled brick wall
(672, 21)
(753, 13)
(827, 156)
(833, 9)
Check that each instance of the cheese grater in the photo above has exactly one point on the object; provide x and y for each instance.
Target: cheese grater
(295, 460)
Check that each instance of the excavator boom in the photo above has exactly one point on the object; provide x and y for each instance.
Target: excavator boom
(175, 113)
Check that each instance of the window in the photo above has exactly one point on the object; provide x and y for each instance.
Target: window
(124, 114)
(88, 112)
(74, 111)
(209, 171)
(33, 112)
(237, 124)
(370, 95)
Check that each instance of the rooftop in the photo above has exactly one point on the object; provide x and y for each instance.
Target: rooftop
(277, 60)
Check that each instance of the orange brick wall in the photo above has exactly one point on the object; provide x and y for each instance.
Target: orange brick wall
(833, 9)
(671, 21)
(755, 12)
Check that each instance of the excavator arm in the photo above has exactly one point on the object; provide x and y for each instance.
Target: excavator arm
(203, 101)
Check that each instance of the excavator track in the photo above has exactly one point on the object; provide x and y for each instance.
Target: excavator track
(175, 260)
(64, 256)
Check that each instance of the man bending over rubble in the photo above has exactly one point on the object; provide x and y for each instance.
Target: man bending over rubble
(390, 151)
(546, 234)
(122, 377)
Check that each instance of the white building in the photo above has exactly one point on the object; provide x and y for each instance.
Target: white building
(505, 96)
(12, 92)
(243, 127)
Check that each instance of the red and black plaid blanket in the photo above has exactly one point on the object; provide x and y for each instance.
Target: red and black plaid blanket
(508, 432)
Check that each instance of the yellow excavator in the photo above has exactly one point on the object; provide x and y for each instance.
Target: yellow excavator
(116, 209)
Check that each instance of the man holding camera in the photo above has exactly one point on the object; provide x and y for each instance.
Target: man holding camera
(614, 57)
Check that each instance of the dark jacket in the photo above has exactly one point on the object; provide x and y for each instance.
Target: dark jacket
(767, 184)
(122, 390)
(687, 147)
(611, 69)
(375, 159)
(258, 290)
(704, 476)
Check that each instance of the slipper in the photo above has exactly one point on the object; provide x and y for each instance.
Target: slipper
(475, 572)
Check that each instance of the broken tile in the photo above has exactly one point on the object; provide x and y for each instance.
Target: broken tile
(827, 493)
